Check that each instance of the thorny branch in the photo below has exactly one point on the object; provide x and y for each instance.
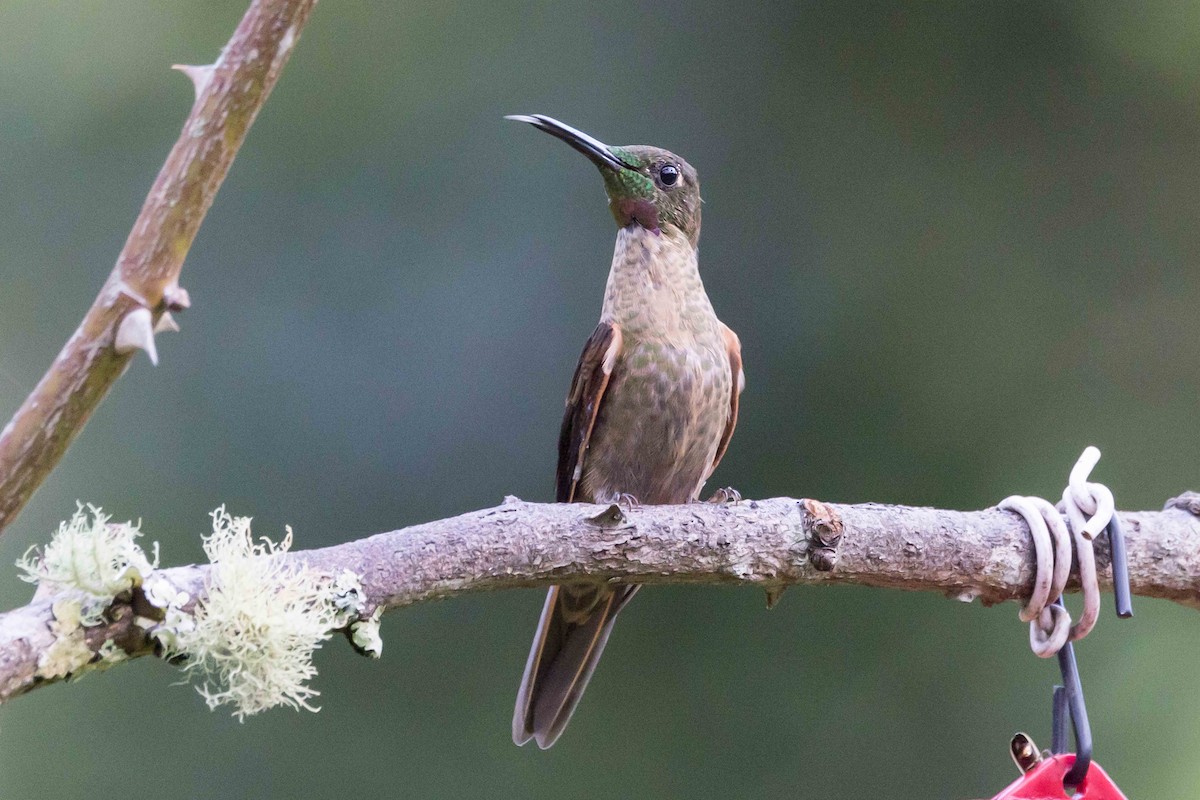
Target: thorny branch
(769, 543)
(143, 287)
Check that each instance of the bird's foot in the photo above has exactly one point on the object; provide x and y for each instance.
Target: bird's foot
(726, 495)
(627, 501)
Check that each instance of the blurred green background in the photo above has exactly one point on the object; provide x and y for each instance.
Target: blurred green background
(959, 242)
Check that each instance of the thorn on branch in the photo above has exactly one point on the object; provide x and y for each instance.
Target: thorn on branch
(199, 75)
(176, 298)
(166, 323)
(136, 332)
(153, 255)
(123, 288)
(824, 529)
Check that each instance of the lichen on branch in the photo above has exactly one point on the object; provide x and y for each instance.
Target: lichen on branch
(246, 638)
(767, 544)
(90, 555)
(87, 564)
(260, 621)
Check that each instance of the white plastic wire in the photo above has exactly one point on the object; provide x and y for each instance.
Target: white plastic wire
(1088, 581)
(1049, 625)
(1053, 555)
(1093, 500)
(1088, 507)
(1050, 631)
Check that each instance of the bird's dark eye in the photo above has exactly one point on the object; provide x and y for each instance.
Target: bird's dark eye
(669, 175)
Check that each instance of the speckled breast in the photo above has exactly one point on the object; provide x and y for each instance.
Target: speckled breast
(661, 421)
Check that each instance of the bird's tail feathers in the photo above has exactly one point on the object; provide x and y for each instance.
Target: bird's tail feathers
(561, 660)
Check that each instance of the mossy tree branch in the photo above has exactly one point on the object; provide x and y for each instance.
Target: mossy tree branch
(770, 544)
(144, 284)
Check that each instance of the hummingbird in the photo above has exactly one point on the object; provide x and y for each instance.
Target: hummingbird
(651, 408)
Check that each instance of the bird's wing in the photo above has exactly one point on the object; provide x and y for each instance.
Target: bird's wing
(583, 402)
(734, 346)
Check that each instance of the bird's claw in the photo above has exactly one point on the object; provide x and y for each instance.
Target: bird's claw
(725, 495)
(628, 502)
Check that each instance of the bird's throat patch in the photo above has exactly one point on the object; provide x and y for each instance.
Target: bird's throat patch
(629, 210)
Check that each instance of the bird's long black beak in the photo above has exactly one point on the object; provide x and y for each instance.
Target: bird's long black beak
(596, 150)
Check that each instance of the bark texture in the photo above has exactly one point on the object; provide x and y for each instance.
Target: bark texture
(768, 543)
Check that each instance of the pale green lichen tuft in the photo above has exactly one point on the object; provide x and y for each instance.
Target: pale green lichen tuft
(89, 554)
(172, 631)
(110, 653)
(67, 656)
(88, 562)
(69, 653)
(248, 643)
(364, 634)
(70, 656)
(259, 624)
(164, 595)
(350, 600)
(348, 597)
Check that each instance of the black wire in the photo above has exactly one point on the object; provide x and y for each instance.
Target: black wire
(1120, 568)
(1072, 689)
